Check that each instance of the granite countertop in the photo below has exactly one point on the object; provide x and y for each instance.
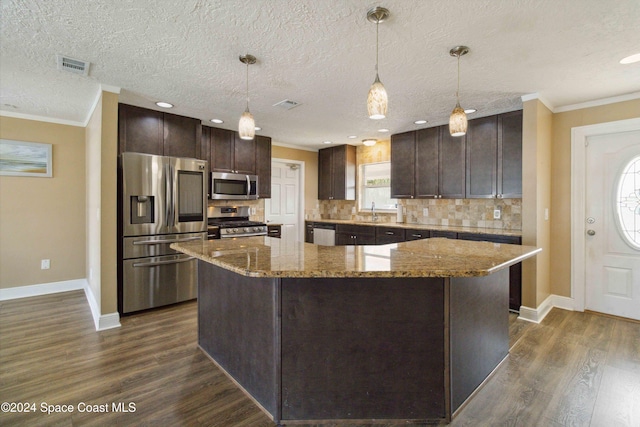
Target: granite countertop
(458, 229)
(436, 257)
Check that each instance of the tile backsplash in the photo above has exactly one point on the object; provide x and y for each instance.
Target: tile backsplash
(478, 213)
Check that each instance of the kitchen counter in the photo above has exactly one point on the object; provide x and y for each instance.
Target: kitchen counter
(436, 257)
(315, 334)
(457, 229)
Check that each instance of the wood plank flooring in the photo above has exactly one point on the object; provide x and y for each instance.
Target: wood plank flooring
(573, 369)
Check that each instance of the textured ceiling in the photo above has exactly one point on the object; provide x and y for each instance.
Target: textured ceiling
(320, 53)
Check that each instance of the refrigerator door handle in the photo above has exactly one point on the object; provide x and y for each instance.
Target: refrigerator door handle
(167, 194)
(156, 263)
(160, 242)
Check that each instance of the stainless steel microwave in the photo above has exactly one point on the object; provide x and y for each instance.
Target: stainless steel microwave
(233, 186)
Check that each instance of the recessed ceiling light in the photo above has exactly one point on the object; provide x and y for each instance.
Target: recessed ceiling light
(258, 128)
(327, 142)
(352, 136)
(383, 130)
(217, 121)
(470, 110)
(420, 122)
(369, 142)
(164, 104)
(630, 59)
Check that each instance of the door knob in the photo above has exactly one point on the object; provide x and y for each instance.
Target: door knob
(591, 232)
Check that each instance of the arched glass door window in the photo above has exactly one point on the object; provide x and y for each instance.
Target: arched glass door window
(628, 203)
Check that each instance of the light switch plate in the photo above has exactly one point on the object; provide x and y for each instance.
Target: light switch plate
(425, 211)
(496, 214)
(45, 264)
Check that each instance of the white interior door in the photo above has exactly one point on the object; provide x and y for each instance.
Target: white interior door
(284, 205)
(612, 251)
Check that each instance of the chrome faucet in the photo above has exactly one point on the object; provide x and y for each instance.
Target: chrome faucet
(374, 217)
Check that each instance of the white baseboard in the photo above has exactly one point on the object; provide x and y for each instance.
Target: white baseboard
(101, 321)
(43, 289)
(536, 315)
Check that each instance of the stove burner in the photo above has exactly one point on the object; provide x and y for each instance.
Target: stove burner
(238, 227)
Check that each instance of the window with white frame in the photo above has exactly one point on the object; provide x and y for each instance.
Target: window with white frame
(375, 187)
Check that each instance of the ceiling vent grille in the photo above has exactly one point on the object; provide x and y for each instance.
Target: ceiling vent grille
(71, 65)
(286, 104)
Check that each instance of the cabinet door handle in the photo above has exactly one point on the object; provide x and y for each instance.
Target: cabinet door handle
(390, 233)
(416, 235)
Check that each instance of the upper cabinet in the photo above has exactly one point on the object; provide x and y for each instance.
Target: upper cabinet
(154, 132)
(427, 163)
(485, 163)
(510, 155)
(494, 156)
(226, 152)
(229, 153)
(263, 166)
(337, 173)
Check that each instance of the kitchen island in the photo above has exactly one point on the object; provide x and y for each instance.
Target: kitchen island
(402, 331)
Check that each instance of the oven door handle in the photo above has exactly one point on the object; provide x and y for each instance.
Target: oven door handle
(160, 242)
(157, 263)
(248, 186)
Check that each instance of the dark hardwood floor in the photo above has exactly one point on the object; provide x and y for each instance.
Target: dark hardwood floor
(573, 369)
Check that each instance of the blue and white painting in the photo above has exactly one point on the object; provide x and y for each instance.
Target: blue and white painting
(18, 158)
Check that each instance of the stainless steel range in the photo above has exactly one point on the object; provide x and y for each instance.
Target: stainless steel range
(232, 221)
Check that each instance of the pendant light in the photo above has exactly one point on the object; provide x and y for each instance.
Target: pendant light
(246, 125)
(458, 118)
(377, 100)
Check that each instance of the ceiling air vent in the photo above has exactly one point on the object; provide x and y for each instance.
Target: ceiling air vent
(286, 104)
(71, 65)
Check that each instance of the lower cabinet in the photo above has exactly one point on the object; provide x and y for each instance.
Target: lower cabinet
(515, 271)
(445, 234)
(347, 234)
(308, 232)
(274, 231)
(386, 235)
(412, 234)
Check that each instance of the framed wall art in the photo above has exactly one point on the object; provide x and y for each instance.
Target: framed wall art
(19, 158)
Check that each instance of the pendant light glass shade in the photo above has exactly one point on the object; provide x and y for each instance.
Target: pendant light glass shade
(458, 119)
(377, 100)
(247, 126)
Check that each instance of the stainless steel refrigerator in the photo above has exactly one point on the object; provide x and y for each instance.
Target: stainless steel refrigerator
(164, 200)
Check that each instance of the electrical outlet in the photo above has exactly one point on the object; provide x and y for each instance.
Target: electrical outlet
(45, 264)
(425, 211)
(253, 211)
(496, 214)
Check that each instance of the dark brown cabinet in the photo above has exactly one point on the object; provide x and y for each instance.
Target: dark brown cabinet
(403, 160)
(413, 234)
(263, 166)
(274, 231)
(428, 163)
(337, 173)
(515, 271)
(494, 156)
(347, 234)
(510, 155)
(147, 131)
(229, 153)
(386, 235)
(443, 233)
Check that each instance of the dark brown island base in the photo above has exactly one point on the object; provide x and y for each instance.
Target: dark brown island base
(401, 332)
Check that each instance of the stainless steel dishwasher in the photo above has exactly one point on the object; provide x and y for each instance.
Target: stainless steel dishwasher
(324, 234)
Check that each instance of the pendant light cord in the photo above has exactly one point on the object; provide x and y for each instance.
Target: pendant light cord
(247, 86)
(377, 30)
(458, 89)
